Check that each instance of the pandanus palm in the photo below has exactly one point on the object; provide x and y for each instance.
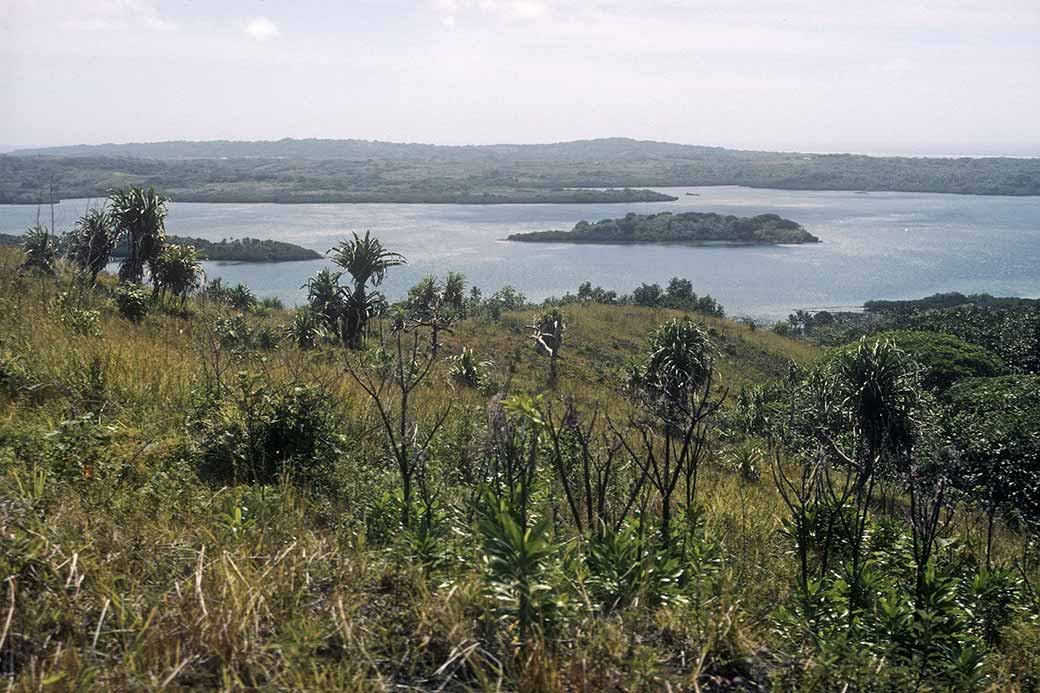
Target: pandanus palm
(678, 364)
(41, 251)
(92, 241)
(178, 268)
(878, 385)
(141, 216)
(366, 261)
(325, 297)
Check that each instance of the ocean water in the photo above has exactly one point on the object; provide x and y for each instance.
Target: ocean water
(875, 245)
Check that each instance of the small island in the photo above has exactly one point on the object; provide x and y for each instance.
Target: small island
(239, 250)
(688, 228)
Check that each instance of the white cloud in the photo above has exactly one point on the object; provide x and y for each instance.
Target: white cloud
(261, 29)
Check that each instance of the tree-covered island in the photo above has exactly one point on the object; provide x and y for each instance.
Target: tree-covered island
(687, 228)
(239, 250)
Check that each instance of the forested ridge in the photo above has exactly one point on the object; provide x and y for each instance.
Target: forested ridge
(364, 171)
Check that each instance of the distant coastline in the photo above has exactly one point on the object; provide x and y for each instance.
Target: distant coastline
(610, 170)
(250, 250)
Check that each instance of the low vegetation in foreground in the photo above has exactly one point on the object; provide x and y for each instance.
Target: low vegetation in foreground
(461, 491)
(693, 228)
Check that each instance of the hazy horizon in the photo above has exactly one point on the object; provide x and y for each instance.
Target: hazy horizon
(949, 154)
(790, 75)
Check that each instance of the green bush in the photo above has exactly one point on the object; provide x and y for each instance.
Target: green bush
(256, 435)
(132, 301)
(944, 359)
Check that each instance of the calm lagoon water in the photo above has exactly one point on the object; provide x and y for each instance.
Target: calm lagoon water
(876, 245)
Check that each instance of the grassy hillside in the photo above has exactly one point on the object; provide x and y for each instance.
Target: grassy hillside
(362, 171)
(132, 560)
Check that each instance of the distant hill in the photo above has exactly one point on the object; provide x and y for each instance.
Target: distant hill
(691, 228)
(313, 170)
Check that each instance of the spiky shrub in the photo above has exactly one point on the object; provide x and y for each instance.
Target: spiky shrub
(240, 297)
(673, 383)
(325, 297)
(465, 369)
(132, 301)
(140, 216)
(40, 247)
(92, 241)
(624, 567)
(306, 330)
(678, 363)
(178, 270)
(747, 459)
(876, 385)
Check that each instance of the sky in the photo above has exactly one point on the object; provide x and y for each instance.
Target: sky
(885, 76)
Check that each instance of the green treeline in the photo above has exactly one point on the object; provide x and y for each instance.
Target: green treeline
(687, 227)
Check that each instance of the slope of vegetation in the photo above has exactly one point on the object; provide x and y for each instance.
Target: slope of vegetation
(687, 228)
(362, 171)
(459, 492)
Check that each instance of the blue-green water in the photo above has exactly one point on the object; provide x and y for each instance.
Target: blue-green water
(876, 245)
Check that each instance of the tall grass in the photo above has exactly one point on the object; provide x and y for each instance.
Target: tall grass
(124, 567)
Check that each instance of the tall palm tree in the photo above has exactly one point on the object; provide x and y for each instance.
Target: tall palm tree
(366, 261)
(92, 241)
(141, 216)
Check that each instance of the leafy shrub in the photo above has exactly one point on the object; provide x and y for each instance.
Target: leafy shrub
(995, 426)
(79, 446)
(504, 300)
(132, 301)
(944, 358)
(517, 561)
(76, 319)
(236, 333)
(257, 435)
